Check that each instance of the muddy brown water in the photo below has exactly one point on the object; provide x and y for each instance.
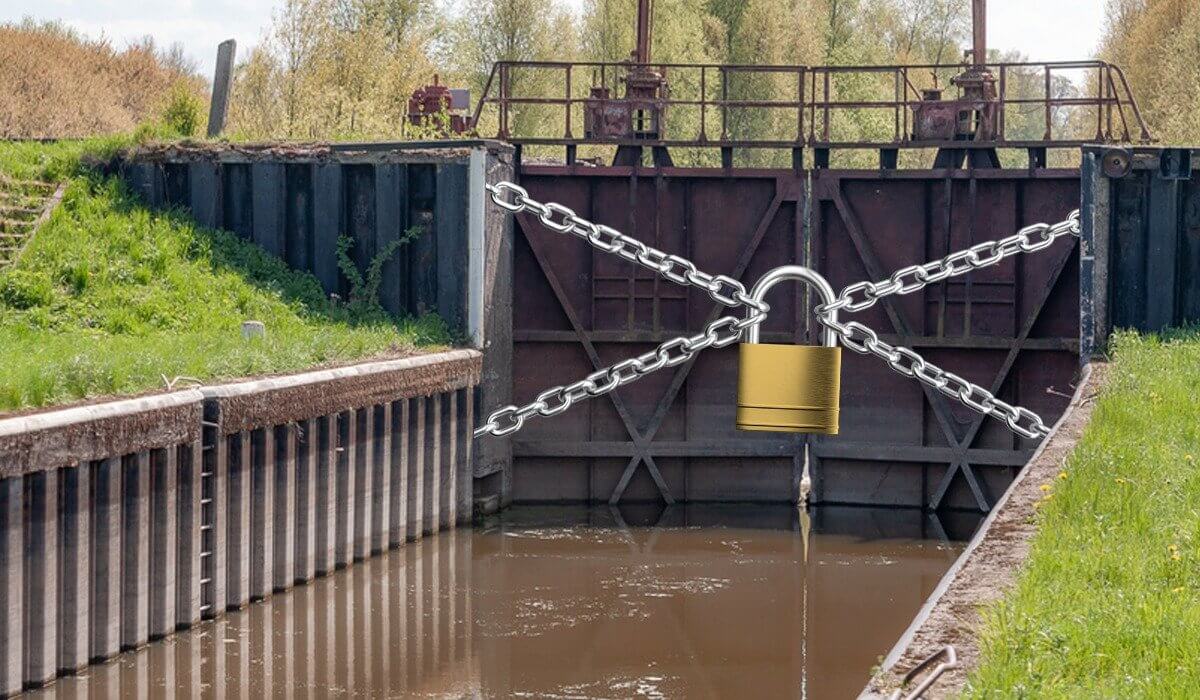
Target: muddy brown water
(559, 602)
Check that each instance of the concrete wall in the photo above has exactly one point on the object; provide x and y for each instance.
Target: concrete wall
(124, 521)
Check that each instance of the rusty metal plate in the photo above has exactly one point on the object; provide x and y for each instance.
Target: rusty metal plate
(671, 436)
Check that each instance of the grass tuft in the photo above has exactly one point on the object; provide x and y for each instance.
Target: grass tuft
(1108, 603)
(111, 297)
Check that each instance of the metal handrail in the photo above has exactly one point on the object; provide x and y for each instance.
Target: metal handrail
(816, 97)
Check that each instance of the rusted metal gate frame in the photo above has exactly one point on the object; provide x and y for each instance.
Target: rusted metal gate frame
(959, 453)
(641, 442)
(962, 456)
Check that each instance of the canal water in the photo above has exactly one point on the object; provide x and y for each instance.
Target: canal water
(564, 602)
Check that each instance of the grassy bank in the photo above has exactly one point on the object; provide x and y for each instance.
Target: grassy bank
(1108, 604)
(111, 298)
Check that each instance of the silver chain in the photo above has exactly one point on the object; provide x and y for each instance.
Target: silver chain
(728, 330)
(914, 278)
(723, 289)
(722, 332)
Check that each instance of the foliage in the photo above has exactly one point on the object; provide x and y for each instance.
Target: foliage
(335, 69)
(58, 83)
(1154, 41)
(364, 289)
(111, 297)
(1108, 604)
(182, 113)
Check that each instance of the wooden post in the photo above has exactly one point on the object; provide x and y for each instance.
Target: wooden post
(222, 84)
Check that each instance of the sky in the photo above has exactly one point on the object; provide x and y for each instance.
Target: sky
(1060, 30)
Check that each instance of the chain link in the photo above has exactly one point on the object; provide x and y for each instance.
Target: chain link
(914, 278)
(721, 288)
(720, 333)
(910, 363)
(728, 330)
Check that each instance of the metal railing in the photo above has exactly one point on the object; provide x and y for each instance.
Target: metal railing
(795, 106)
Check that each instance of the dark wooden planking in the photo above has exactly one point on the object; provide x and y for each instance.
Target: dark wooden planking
(1162, 245)
(452, 205)
(423, 250)
(391, 210)
(144, 178)
(236, 200)
(204, 185)
(298, 216)
(359, 194)
(1188, 301)
(327, 223)
(176, 189)
(267, 203)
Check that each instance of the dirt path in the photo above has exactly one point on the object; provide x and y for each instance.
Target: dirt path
(990, 564)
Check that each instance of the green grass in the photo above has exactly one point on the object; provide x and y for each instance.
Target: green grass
(110, 298)
(1108, 604)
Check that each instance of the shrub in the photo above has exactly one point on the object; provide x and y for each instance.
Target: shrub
(181, 116)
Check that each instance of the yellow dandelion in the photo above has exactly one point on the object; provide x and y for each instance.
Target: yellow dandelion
(1173, 548)
(1062, 476)
(1177, 590)
(1045, 487)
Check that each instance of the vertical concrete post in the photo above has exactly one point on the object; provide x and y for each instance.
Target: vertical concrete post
(347, 432)
(190, 536)
(364, 481)
(449, 497)
(433, 465)
(12, 578)
(222, 86)
(326, 518)
(238, 539)
(399, 494)
(465, 486)
(105, 624)
(306, 500)
(285, 506)
(164, 493)
(135, 550)
(262, 514)
(74, 570)
(381, 507)
(41, 571)
(416, 468)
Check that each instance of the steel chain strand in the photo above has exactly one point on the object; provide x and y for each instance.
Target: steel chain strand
(722, 332)
(911, 364)
(914, 278)
(721, 288)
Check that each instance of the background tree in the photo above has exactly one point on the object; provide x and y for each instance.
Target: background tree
(1157, 42)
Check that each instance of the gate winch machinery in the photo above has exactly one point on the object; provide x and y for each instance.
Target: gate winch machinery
(781, 388)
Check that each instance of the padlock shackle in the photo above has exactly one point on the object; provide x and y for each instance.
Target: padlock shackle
(799, 273)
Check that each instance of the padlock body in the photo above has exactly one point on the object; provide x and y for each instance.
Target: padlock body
(789, 388)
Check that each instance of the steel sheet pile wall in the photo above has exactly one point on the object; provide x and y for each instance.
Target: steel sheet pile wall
(1141, 233)
(124, 521)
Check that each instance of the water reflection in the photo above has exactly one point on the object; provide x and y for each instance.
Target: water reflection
(576, 602)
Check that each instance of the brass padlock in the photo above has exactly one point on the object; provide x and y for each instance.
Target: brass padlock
(789, 388)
